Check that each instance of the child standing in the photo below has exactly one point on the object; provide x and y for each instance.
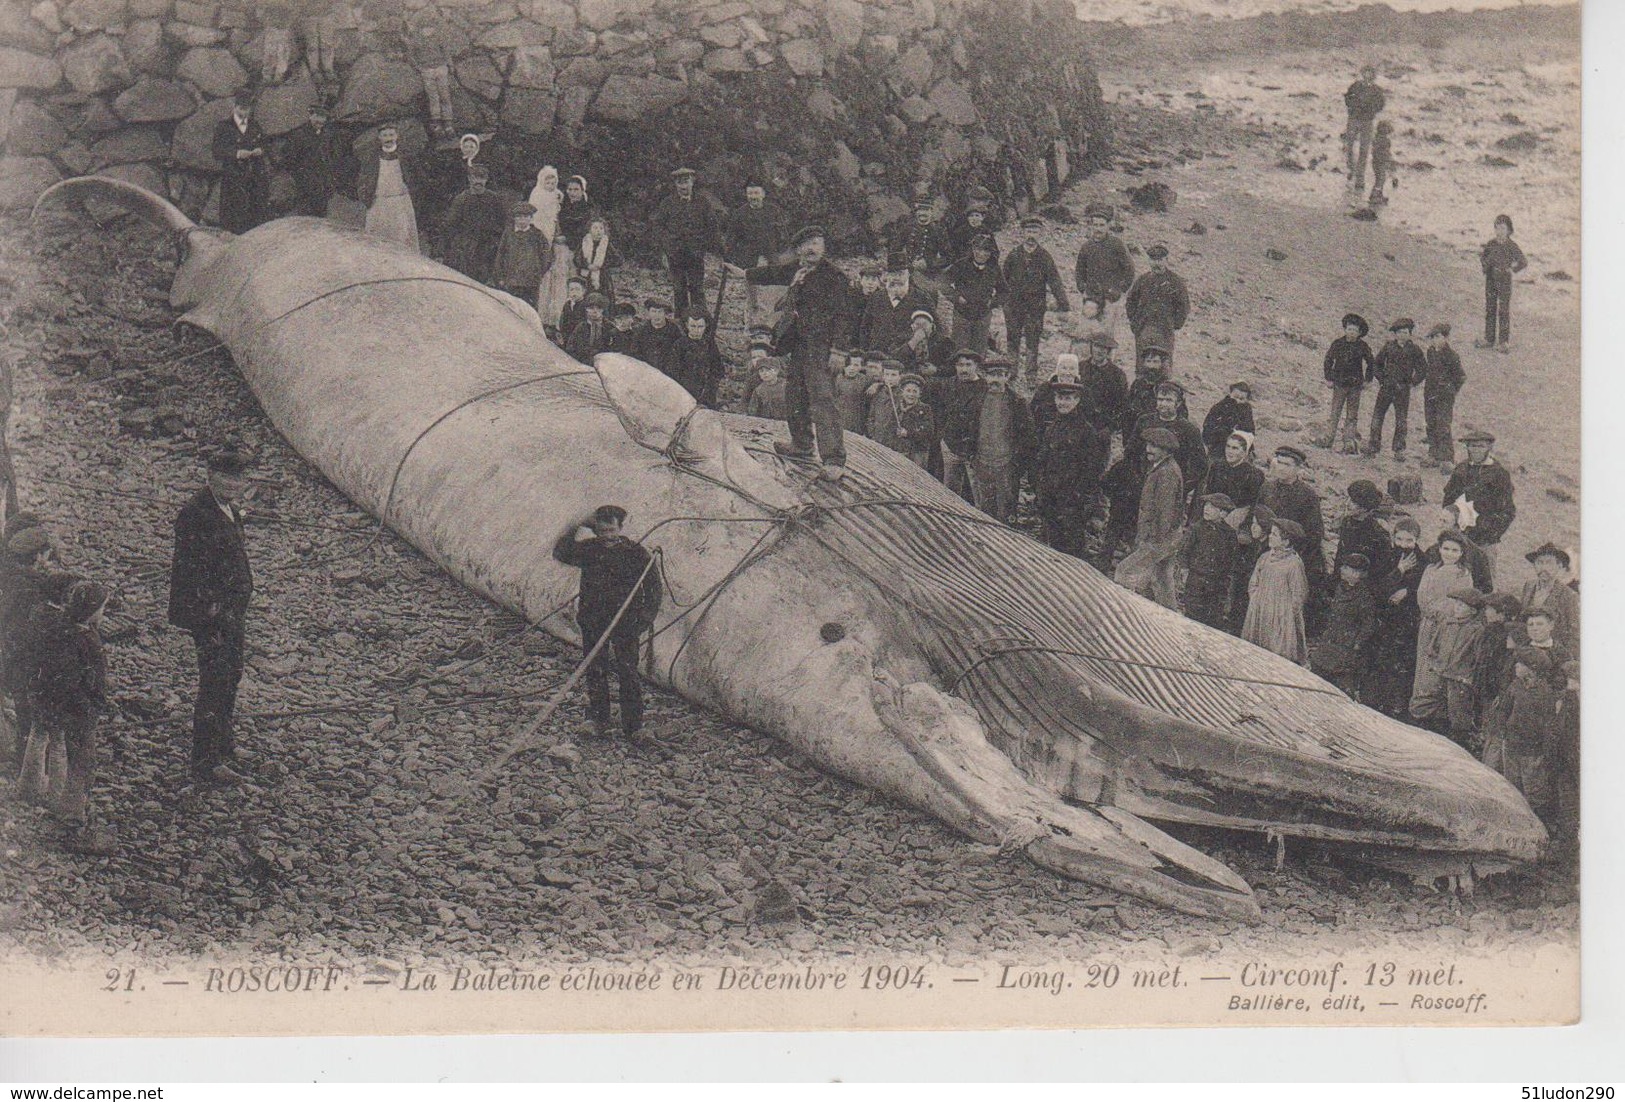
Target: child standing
(1211, 551)
(69, 688)
(767, 400)
(1447, 644)
(1520, 734)
(1382, 163)
(1393, 648)
(1443, 378)
(1339, 654)
(884, 421)
(1276, 595)
(1349, 362)
(523, 256)
(1501, 259)
(918, 427)
(851, 394)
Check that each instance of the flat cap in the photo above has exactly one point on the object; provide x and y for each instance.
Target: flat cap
(1365, 494)
(1440, 330)
(683, 172)
(1469, 596)
(1156, 350)
(1358, 561)
(911, 377)
(1507, 605)
(1401, 324)
(628, 310)
(1263, 515)
(1536, 658)
(918, 314)
(1102, 340)
(1550, 548)
(1099, 210)
(997, 365)
(1162, 438)
(1291, 529)
(1032, 223)
(522, 209)
(656, 301)
(1221, 501)
(976, 193)
(871, 269)
(807, 233)
(1477, 436)
(1287, 451)
(1168, 386)
(968, 354)
(478, 172)
(609, 513)
(982, 241)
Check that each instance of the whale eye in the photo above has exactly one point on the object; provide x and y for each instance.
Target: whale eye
(832, 633)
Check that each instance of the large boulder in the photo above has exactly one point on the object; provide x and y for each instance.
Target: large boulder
(190, 34)
(133, 143)
(35, 132)
(954, 104)
(95, 64)
(520, 32)
(22, 32)
(532, 68)
(804, 56)
(154, 100)
(560, 15)
(95, 15)
(844, 19)
(21, 69)
(284, 107)
(600, 15)
(189, 148)
(637, 99)
(479, 75)
(529, 110)
(379, 88)
(23, 178)
(145, 48)
(213, 70)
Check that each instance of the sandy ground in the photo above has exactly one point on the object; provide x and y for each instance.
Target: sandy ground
(737, 846)
(1143, 12)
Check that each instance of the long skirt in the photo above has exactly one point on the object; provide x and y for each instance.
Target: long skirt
(554, 291)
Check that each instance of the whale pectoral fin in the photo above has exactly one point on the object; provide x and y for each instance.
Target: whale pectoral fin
(1100, 845)
(650, 404)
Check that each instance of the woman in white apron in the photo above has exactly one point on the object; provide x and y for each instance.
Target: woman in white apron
(548, 200)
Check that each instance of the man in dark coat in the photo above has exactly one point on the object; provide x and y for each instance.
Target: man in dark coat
(888, 314)
(1211, 553)
(1480, 490)
(1444, 379)
(812, 317)
(1234, 474)
(1287, 496)
(315, 156)
(1157, 306)
(245, 175)
(923, 242)
(1030, 277)
(976, 288)
(1071, 458)
(1233, 411)
(1360, 532)
(1191, 452)
(1105, 271)
(687, 229)
(591, 335)
(1160, 523)
(209, 591)
(990, 428)
(615, 573)
(756, 233)
(1392, 667)
(1364, 101)
(1399, 366)
(1105, 384)
(695, 360)
(473, 227)
(1348, 364)
(1142, 393)
(654, 338)
(974, 222)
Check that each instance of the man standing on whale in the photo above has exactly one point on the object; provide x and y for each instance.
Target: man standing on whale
(812, 315)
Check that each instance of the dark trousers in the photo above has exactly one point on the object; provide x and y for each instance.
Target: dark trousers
(1439, 410)
(809, 393)
(1024, 326)
(619, 655)
(687, 284)
(1497, 307)
(1066, 527)
(1399, 400)
(1207, 598)
(970, 329)
(220, 670)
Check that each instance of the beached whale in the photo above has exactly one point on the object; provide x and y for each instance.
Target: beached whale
(890, 632)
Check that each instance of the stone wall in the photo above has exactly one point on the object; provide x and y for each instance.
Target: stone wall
(863, 101)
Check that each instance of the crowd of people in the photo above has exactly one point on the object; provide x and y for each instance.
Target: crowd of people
(905, 352)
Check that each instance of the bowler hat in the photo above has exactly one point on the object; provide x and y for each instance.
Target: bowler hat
(1162, 438)
(1358, 322)
(1287, 451)
(1220, 501)
(1365, 494)
(1550, 548)
(229, 461)
(1477, 436)
(1401, 324)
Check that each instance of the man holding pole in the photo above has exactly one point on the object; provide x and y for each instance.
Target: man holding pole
(620, 597)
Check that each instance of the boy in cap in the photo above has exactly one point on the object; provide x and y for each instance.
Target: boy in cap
(210, 586)
(686, 228)
(473, 227)
(623, 322)
(925, 347)
(615, 575)
(1492, 665)
(1392, 671)
(591, 334)
(917, 425)
(1360, 532)
(1399, 366)
(1157, 306)
(27, 583)
(1549, 592)
(1211, 551)
(1030, 276)
(386, 185)
(1339, 653)
(1105, 385)
(973, 223)
(238, 145)
(1072, 455)
(975, 287)
(813, 317)
(852, 394)
(1501, 259)
(1539, 631)
(1233, 411)
(695, 361)
(1288, 496)
(858, 294)
(314, 155)
(1480, 490)
(991, 430)
(1364, 101)
(655, 336)
(1159, 534)
(1104, 269)
(1520, 732)
(574, 308)
(1349, 363)
(1440, 384)
(523, 255)
(767, 397)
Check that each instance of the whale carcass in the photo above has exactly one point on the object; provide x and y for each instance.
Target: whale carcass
(887, 630)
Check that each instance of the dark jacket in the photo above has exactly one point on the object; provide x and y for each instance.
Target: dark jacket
(1105, 271)
(521, 260)
(1242, 482)
(1364, 100)
(935, 351)
(755, 236)
(1028, 277)
(653, 346)
(926, 247)
(472, 232)
(366, 181)
(1501, 258)
(1191, 456)
(210, 579)
(24, 590)
(574, 218)
(1158, 300)
(1211, 549)
(963, 425)
(1349, 363)
(69, 671)
(975, 291)
(697, 364)
(1105, 390)
(1444, 373)
(1351, 621)
(1071, 460)
(1226, 416)
(244, 184)
(961, 233)
(686, 229)
(1298, 502)
(1489, 487)
(583, 343)
(610, 567)
(813, 313)
(1362, 533)
(1399, 366)
(1141, 400)
(318, 163)
(885, 326)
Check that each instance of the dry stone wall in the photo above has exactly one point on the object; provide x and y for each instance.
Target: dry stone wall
(859, 103)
